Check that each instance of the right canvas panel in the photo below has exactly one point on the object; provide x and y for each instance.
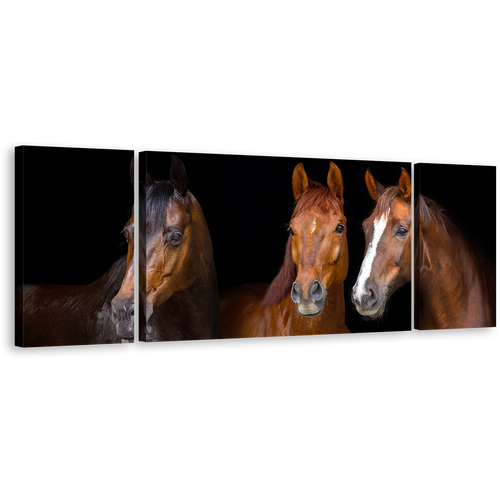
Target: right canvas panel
(455, 246)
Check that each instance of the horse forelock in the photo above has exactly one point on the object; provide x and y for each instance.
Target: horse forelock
(159, 198)
(386, 201)
(319, 197)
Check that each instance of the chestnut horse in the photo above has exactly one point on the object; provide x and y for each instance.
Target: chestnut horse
(307, 295)
(182, 295)
(454, 283)
(178, 281)
(387, 262)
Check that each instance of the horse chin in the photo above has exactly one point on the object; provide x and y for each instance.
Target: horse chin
(310, 310)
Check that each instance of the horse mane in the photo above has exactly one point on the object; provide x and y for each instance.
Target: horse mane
(317, 196)
(159, 196)
(429, 212)
(112, 279)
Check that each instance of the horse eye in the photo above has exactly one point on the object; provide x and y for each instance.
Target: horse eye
(339, 229)
(402, 231)
(176, 237)
(290, 230)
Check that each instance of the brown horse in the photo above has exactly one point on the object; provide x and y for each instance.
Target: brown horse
(307, 295)
(182, 295)
(178, 280)
(455, 283)
(387, 262)
(58, 315)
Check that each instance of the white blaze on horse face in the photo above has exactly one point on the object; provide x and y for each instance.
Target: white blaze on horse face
(366, 267)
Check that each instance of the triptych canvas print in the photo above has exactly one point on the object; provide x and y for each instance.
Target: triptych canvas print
(233, 246)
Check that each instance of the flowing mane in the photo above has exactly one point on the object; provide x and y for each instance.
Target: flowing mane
(429, 212)
(317, 196)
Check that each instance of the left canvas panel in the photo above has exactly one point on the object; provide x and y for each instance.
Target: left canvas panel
(77, 200)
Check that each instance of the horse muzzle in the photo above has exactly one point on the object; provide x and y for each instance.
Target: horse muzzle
(368, 302)
(312, 302)
(122, 315)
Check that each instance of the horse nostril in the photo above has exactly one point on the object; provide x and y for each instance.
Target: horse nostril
(370, 297)
(316, 291)
(295, 292)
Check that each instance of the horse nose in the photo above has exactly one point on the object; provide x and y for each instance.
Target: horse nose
(316, 292)
(123, 309)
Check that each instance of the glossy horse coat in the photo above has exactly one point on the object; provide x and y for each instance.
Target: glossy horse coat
(454, 283)
(307, 295)
(387, 262)
(57, 315)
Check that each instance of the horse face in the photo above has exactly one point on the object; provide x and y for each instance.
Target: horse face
(319, 244)
(171, 256)
(319, 251)
(387, 262)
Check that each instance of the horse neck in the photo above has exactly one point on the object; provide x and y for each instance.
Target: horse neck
(453, 282)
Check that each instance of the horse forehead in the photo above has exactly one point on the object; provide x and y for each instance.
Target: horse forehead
(377, 224)
(401, 210)
(176, 216)
(314, 221)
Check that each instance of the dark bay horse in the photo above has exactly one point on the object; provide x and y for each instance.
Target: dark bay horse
(178, 280)
(455, 285)
(58, 315)
(307, 295)
(182, 293)
(387, 262)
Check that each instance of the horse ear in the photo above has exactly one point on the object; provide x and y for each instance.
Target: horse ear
(132, 175)
(335, 182)
(300, 182)
(178, 176)
(405, 184)
(374, 187)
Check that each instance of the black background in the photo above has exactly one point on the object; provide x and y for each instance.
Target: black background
(76, 202)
